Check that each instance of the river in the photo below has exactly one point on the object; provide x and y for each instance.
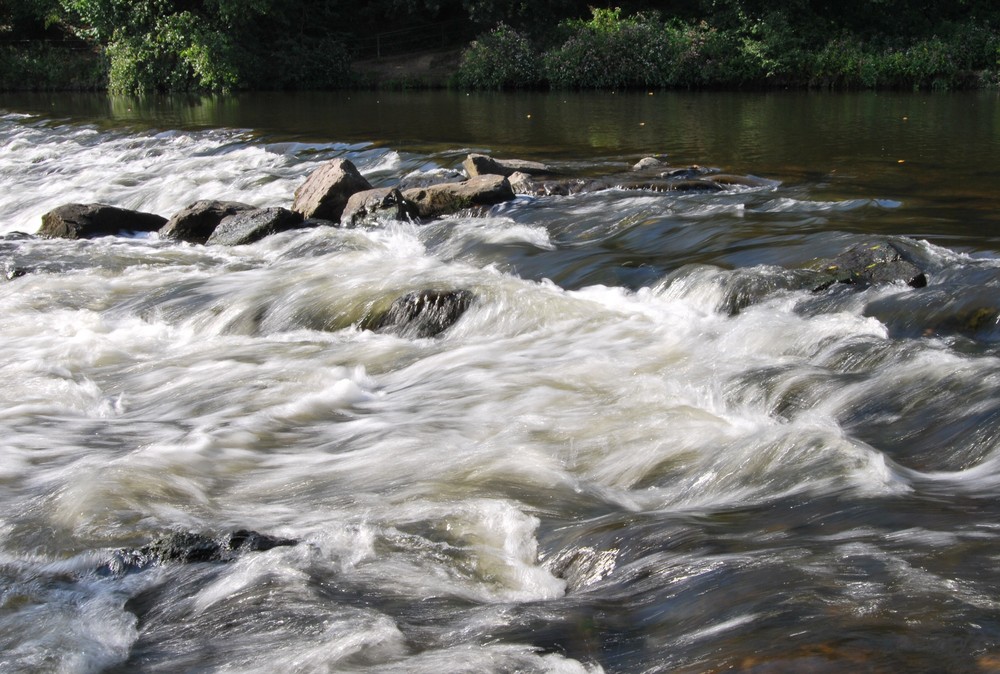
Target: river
(641, 449)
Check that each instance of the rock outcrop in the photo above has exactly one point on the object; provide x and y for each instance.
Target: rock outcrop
(250, 226)
(325, 192)
(438, 200)
(196, 223)
(88, 221)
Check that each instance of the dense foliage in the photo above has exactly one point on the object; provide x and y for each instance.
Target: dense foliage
(172, 45)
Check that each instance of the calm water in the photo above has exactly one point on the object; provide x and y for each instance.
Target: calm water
(641, 450)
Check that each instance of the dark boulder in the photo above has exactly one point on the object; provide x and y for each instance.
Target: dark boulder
(325, 192)
(372, 205)
(250, 226)
(424, 313)
(196, 223)
(871, 263)
(190, 548)
(438, 200)
(481, 165)
(87, 221)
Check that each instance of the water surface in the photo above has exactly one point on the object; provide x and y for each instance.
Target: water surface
(643, 449)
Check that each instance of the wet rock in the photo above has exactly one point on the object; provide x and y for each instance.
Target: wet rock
(11, 272)
(87, 221)
(647, 163)
(190, 548)
(521, 183)
(371, 205)
(196, 223)
(438, 200)
(668, 185)
(872, 263)
(741, 181)
(424, 313)
(428, 178)
(250, 226)
(481, 165)
(326, 191)
(686, 172)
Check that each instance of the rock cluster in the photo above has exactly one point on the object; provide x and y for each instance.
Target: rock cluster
(336, 194)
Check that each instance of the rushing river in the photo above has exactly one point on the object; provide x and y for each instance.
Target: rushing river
(640, 450)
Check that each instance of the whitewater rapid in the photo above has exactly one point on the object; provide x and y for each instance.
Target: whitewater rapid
(602, 466)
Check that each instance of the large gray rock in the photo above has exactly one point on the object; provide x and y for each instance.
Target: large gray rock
(87, 221)
(371, 205)
(196, 223)
(250, 226)
(480, 165)
(326, 191)
(438, 200)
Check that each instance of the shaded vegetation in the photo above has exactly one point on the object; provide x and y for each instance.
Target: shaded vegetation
(136, 46)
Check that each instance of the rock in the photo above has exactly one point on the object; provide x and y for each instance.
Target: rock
(189, 548)
(685, 172)
(481, 165)
(428, 178)
(87, 221)
(521, 183)
(742, 181)
(871, 264)
(647, 163)
(250, 226)
(438, 200)
(424, 313)
(196, 223)
(370, 205)
(326, 191)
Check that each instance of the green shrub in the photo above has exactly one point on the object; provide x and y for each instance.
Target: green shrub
(500, 59)
(41, 66)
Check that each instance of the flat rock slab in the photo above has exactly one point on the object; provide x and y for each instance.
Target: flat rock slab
(325, 192)
(481, 165)
(196, 223)
(438, 200)
(252, 226)
(88, 221)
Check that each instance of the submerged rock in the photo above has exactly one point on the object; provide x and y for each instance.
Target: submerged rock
(189, 548)
(370, 205)
(326, 191)
(196, 223)
(872, 263)
(424, 313)
(481, 165)
(438, 200)
(250, 226)
(87, 221)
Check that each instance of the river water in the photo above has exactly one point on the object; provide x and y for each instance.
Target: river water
(640, 450)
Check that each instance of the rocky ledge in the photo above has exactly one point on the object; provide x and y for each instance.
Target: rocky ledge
(337, 195)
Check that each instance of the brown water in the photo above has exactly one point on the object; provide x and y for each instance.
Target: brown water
(644, 448)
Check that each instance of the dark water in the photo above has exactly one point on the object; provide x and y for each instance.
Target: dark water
(645, 448)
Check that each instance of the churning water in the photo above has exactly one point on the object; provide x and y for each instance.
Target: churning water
(642, 448)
